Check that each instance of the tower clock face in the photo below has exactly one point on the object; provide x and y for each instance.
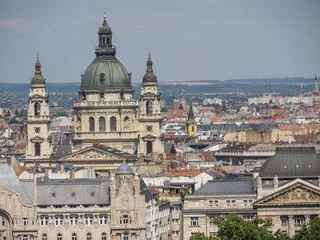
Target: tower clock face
(149, 128)
(37, 130)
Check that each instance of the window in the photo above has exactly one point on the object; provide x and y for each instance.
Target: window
(73, 220)
(194, 221)
(210, 203)
(175, 233)
(175, 221)
(37, 149)
(175, 209)
(149, 107)
(250, 202)
(44, 221)
(24, 221)
(74, 236)
(211, 221)
(3, 221)
(103, 220)
(37, 109)
(228, 202)
(126, 236)
(125, 219)
(102, 124)
(44, 236)
(89, 236)
(284, 220)
(121, 94)
(113, 124)
(59, 220)
(298, 221)
(88, 220)
(216, 202)
(25, 237)
(149, 147)
(101, 95)
(91, 123)
(103, 236)
(233, 202)
(248, 218)
(101, 79)
(108, 40)
(245, 202)
(59, 236)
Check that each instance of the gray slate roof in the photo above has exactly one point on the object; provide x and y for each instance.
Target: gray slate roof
(227, 187)
(73, 192)
(292, 163)
(124, 168)
(9, 179)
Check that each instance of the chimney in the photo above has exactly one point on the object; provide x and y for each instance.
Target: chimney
(72, 173)
(61, 168)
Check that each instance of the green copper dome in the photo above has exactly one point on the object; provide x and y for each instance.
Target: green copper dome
(106, 72)
(38, 79)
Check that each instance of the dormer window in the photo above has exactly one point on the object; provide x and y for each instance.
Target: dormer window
(101, 79)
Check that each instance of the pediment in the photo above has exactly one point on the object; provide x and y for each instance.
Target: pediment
(37, 139)
(297, 194)
(94, 154)
(148, 137)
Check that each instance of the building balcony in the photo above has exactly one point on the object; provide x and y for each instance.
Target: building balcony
(105, 104)
(105, 135)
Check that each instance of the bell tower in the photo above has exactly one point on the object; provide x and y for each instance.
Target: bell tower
(38, 146)
(316, 97)
(191, 123)
(150, 142)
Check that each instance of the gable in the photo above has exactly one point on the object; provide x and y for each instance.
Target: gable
(93, 154)
(298, 194)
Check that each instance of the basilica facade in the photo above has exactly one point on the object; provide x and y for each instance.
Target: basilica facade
(105, 113)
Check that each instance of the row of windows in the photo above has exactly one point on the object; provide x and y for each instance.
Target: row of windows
(102, 124)
(228, 202)
(74, 236)
(73, 220)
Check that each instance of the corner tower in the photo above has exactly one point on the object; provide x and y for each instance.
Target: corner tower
(150, 116)
(38, 145)
(128, 207)
(106, 111)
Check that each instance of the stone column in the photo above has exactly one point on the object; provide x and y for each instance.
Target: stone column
(291, 226)
(307, 219)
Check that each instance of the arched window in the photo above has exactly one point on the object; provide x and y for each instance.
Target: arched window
(102, 124)
(125, 219)
(108, 40)
(89, 236)
(91, 123)
(44, 236)
(74, 236)
(59, 236)
(103, 236)
(126, 236)
(100, 41)
(37, 109)
(113, 124)
(104, 41)
(25, 237)
(149, 147)
(37, 149)
(149, 107)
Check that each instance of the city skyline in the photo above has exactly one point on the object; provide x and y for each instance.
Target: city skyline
(190, 41)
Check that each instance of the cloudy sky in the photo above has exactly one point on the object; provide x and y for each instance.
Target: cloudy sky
(189, 39)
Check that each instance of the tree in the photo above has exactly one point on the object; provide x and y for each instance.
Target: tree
(16, 112)
(8, 114)
(309, 231)
(234, 227)
(258, 109)
(201, 236)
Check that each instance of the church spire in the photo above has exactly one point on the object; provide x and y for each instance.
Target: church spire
(149, 77)
(316, 90)
(149, 63)
(37, 64)
(37, 79)
(190, 115)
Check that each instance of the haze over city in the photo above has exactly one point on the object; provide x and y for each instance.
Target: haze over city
(189, 40)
